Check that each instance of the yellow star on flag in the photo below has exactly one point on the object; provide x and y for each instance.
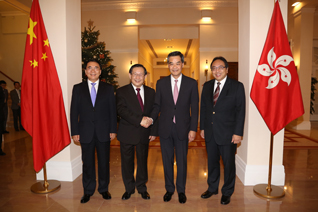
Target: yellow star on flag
(30, 30)
(46, 42)
(34, 64)
(44, 56)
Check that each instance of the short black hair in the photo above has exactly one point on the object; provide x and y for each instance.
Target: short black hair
(176, 53)
(2, 82)
(93, 60)
(16, 82)
(220, 58)
(135, 66)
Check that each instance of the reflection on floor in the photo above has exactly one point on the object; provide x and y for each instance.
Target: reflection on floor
(17, 176)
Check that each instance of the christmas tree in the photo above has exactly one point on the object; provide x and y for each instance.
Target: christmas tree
(92, 49)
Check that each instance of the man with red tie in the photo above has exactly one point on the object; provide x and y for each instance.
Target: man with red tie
(221, 122)
(134, 104)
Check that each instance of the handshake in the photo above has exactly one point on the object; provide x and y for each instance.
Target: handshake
(146, 122)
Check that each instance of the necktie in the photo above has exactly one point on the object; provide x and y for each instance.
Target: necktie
(93, 93)
(139, 99)
(175, 96)
(216, 94)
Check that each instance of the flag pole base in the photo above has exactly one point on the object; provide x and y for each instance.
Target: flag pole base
(44, 188)
(272, 193)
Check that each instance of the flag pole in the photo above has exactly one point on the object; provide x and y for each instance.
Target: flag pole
(47, 186)
(269, 191)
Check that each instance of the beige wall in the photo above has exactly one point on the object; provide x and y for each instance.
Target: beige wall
(145, 59)
(218, 37)
(13, 30)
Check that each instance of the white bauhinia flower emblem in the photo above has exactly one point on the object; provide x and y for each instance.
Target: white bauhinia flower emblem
(272, 71)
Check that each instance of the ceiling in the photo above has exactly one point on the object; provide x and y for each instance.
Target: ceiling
(157, 47)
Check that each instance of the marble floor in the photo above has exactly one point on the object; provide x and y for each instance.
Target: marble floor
(17, 176)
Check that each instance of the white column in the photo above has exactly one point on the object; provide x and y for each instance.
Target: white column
(62, 19)
(252, 157)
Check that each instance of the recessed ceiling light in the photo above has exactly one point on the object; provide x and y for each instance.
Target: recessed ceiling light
(295, 4)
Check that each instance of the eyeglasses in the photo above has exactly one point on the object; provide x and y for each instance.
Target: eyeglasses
(137, 75)
(93, 67)
(220, 68)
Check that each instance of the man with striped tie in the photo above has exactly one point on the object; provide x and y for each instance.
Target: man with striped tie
(221, 122)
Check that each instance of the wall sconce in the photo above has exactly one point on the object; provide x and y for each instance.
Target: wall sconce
(206, 15)
(206, 70)
(131, 16)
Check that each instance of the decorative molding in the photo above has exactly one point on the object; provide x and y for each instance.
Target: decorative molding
(18, 5)
(251, 175)
(128, 5)
(218, 49)
(62, 170)
(12, 13)
(123, 50)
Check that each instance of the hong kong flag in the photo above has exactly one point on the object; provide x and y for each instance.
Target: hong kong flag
(42, 106)
(275, 90)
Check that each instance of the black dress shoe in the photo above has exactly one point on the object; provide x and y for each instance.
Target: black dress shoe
(126, 195)
(2, 153)
(5, 131)
(167, 196)
(85, 198)
(182, 198)
(144, 195)
(225, 200)
(208, 194)
(106, 195)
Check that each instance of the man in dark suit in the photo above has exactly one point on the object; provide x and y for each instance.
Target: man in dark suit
(3, 84)
(16, 106)
(93, 125)
(177, 101)
(135, 102)
(222, 123)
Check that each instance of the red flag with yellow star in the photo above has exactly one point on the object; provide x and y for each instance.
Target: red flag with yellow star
(42, 106)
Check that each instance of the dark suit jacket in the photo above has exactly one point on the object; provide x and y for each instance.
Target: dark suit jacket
(186, 110)
(15, 99)
(86, 119)
(227, 116)
(129, 110)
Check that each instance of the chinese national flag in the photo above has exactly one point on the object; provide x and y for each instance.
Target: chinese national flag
(42, 106)
(275, 90)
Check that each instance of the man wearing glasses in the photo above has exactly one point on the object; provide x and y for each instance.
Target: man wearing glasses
(221, 123)
(134, 104)
(93, 126)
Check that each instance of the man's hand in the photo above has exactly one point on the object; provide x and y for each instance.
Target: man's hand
(151, 138)
(236, 139)
(202, 134)
(191, 135)
(76, 139)
(112, 136)
(146, 122)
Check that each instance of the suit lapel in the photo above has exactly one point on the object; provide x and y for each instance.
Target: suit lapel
(86, 93)
(169, 89)
(99, 92)
(225, 89)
